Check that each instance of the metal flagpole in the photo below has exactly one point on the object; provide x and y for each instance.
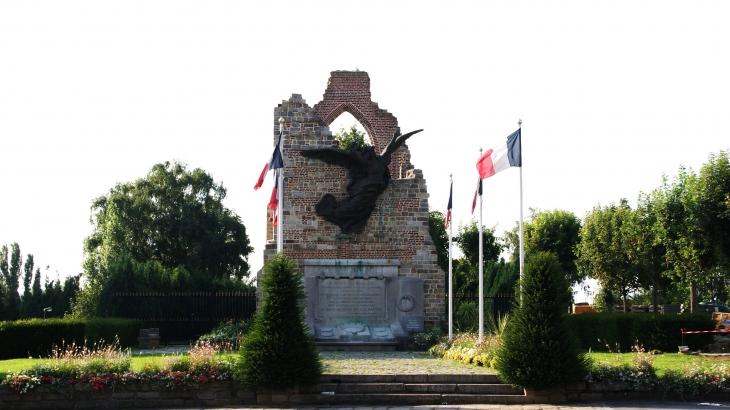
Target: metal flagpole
(522, 237)
(481, 269)
(280, 189)
(451, 271)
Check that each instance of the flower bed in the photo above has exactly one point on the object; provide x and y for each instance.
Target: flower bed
(105, 367)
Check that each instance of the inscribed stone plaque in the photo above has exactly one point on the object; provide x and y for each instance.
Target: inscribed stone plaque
(413, 323)
(350, 299)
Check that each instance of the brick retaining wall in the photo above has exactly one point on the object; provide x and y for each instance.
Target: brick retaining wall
(223, 394)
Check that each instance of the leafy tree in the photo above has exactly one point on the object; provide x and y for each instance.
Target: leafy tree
(689, 245)
(278, 352)
(539, 351)
(604, 249)
(26, 309)
(352, 140)
(466, 270)
(714, 202)
(645, 248)
(11, 273)
(440, 238)
(4, 278)
(175, 218)
(555, 231)
(468, 241)
(36, 299)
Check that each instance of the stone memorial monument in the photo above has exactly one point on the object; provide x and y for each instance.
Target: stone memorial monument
(371, 281)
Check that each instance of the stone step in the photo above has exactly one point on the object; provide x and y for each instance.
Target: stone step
(411, 378)
(408, 399)
(412, 388)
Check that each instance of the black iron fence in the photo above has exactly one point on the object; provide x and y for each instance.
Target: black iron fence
(182, 316)
(495, 305)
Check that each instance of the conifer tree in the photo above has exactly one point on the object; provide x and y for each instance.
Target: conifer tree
(539, 350)
(278, 352)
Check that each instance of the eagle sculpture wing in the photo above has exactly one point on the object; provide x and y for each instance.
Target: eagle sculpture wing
(396, 143)
(333, 156)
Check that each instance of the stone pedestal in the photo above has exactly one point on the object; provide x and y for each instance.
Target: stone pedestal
(361, 304)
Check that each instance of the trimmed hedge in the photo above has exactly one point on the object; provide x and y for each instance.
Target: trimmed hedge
(36, 337)
(661, 332)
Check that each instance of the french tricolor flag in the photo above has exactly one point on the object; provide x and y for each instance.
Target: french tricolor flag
(275, 162)
(448, 208)
(505, 155)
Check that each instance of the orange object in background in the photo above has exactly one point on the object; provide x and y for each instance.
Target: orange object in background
(581, 308)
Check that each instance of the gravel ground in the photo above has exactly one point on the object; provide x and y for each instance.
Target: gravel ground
(394, 362)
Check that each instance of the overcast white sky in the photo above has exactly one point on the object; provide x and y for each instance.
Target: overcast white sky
(612, 94)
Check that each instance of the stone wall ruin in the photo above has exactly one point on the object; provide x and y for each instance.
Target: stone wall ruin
(396, 230)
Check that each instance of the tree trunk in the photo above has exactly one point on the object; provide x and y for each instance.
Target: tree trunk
(625, 305)
(693, 302)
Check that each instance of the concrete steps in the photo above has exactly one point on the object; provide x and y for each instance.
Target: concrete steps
(410, 389)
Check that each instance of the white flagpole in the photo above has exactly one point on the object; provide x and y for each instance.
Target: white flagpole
(280, 189)
(451, 269)
(522, 237)
(481, 269)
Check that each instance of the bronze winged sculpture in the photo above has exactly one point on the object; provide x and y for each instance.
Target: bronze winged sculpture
(367, 177)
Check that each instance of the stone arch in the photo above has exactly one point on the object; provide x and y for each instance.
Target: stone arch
(348, 107)
(350, 91)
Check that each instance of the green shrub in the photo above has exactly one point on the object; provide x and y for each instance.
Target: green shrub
(467, 317)
(539, 351)
(279, 352)
(424, 340)
(228, 334)
(37, 337)
(661, 332)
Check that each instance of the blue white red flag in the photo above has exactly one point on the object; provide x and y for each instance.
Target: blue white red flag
(477, 192)
(448, 208)
(505, 155)
(275, 162)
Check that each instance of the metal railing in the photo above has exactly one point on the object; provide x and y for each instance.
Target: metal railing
(182, 316)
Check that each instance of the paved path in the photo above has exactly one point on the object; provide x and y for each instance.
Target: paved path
(621, 405)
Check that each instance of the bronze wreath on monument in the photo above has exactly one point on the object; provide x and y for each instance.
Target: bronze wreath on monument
(367, 177)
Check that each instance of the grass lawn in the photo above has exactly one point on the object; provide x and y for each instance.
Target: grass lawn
(415, 362)
(662, 362)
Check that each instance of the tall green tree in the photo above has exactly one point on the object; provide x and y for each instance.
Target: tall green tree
(36, 302)
(645, 249)
(714, 203)
(12, 281)
(26, 308)
(174, 217)
(689, 248)
(4, 278)
(466, 270)
(555, 231)
(604, 249)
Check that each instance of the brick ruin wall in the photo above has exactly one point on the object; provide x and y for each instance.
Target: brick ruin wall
(397, 228)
